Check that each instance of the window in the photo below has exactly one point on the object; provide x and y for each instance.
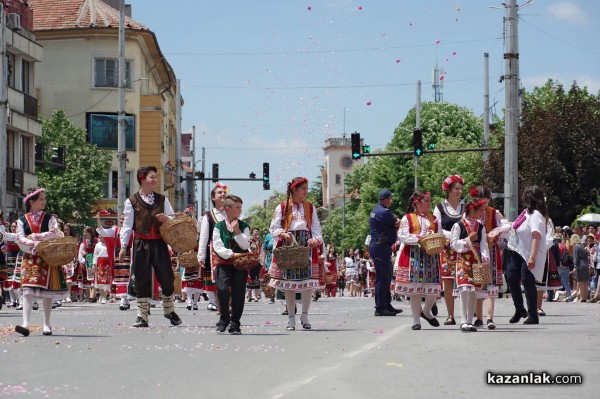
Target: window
(27, 153)
(103, 130)
(106, 72)
(110, 187)
(338, 179)
(12, 150)
(11, 70)
(26, 72)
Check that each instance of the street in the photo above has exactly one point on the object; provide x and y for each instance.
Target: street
(349, 353)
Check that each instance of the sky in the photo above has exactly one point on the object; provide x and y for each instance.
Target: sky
(271, 80)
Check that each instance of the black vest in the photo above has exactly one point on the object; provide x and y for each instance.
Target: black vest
(43, 228)
(448, 221)
(464, 233)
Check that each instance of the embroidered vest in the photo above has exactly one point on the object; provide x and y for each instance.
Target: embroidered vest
(144, 217)
(414, 226)
(447, 220)
(28, 227)
(286, 221)
(228, 238)
(490, 219)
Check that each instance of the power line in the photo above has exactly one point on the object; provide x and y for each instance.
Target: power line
(559, 39)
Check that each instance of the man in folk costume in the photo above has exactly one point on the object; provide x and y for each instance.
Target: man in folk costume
(205, 252)
(38, 279)
(121, 271)
(145, 212)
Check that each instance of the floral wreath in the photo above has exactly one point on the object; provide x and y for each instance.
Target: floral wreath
(224, 187)
(452, 179)
(33, 194)
(416, 198)
(298, 182)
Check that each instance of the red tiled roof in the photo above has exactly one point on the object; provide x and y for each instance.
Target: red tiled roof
(49, 15)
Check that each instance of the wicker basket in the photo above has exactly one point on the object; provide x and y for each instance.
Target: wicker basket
(58, 251)
(246, 261)
(189, 260)
(292, 256)
(433, 244)
(180, 233)
(328, 278)
(481, 274)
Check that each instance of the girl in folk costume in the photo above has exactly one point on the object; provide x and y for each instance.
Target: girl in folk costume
(332, 272)
(492, 220)
(418, 273)
(296, 219)
(12, 284)
(121, 271)
(86, 258)
(205, 252)
(449, 212)
(253, 281)
(371, 274)
(550, 278)
(38, 280)
(469, 240)
(102, 270)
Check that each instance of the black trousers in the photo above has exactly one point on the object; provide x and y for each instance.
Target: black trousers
(517, 271)
(231, 283)
(382, 257)
(149, 255)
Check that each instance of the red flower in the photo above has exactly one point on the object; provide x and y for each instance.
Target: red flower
(474, 193)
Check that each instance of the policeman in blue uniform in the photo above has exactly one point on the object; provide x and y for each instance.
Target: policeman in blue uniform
(384, 226)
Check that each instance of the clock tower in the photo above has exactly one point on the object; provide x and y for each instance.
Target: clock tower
(338, 161)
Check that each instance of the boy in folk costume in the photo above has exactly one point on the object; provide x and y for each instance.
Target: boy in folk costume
(38, 279)
(231, 237)
(121, 270)
(145, 212)
(207, 225)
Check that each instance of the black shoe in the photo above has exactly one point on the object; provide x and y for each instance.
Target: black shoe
(532, 320)
(175, 320)
(35, 306)
(123, 307)
(189, 307)
(139, 322)
(47, 332)
(434, 309)
(194, 307)
(478, 323)
(518, 315)
(234, 329)
(285, 312)
(416, 327)
(384, 312)
(394, 310)
(22, 330)
(432, 322)
(221, 327)
(205, 296)
(490, 324)
(450, 321)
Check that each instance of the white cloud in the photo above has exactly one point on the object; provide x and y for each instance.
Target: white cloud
(568, 12)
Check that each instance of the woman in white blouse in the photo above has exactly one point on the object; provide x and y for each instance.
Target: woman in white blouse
(296, 219)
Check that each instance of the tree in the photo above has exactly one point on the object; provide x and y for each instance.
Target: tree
(71, 190)
(557, 148)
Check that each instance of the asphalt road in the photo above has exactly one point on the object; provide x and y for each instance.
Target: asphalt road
(349, 353)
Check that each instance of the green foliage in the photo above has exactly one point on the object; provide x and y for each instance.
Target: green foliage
(260, 216)
(558, 148)
(71, 191)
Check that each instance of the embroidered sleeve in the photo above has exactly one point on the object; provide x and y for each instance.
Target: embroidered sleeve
(316, 226)
(483, 247)
(404, 235)
(203, 240)
(51, 233)
(24, 243)
(457, 244)
(276, 224)
(242, 239)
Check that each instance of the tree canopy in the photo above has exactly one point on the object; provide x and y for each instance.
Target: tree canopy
(72, 189)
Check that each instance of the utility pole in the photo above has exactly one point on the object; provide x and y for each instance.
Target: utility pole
(486, 104)
(178, 191)
(3, 111)
(203, 191)
(121, 151)
(511, 124)
(193, 193)
(417, 127)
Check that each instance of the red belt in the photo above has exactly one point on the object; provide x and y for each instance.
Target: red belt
(153, 235)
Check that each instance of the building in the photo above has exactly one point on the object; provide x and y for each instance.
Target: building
(24, 56)
(80, 39)
(338, 161)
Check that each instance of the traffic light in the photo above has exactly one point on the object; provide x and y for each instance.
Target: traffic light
(418, 142)
(266, 181)
(366, 149)
(431, 146)
(355, 145)
(215, 172)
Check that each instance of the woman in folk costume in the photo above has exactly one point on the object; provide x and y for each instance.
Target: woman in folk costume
(491, 219)
(253, 281)
(331, 265)
(469, 241)
(121, 270)
(449, 212)
(296, 219)
(12, 284)
(418, 273)
(205, 252)
(86, 257)
(38, 280)
(550, 278)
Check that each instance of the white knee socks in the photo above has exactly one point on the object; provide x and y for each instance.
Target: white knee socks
(47, 302)
(26, 301)
(468, 300)
(306, 299)
(415, 306)
(429, 302)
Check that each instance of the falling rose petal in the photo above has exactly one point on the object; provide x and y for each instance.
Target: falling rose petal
(309, 8)
(454, 53)
(359, 8)
(438, 41)
(442, 77)
(397, 61)
(368, 103)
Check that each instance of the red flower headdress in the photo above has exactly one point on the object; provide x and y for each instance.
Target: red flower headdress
(224, 187)
(452, 179)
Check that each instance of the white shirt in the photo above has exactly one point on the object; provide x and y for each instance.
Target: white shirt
(27, 245)
(464, 245)
(351, 266)
(450, 210)
(404, 235)
(99, 252)
(82, 251)
(110, 232)
(204, 232)
(520, 241)
(298, 222)
(128, 213)
(242, 239)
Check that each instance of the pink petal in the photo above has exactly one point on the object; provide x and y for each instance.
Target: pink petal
(454, 53)
(442, 77)
(368, 103)
(397, 61)
(359, 8)
(438, 41)
(309, 8)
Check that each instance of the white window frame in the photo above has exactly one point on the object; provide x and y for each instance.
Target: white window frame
(128, 73)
